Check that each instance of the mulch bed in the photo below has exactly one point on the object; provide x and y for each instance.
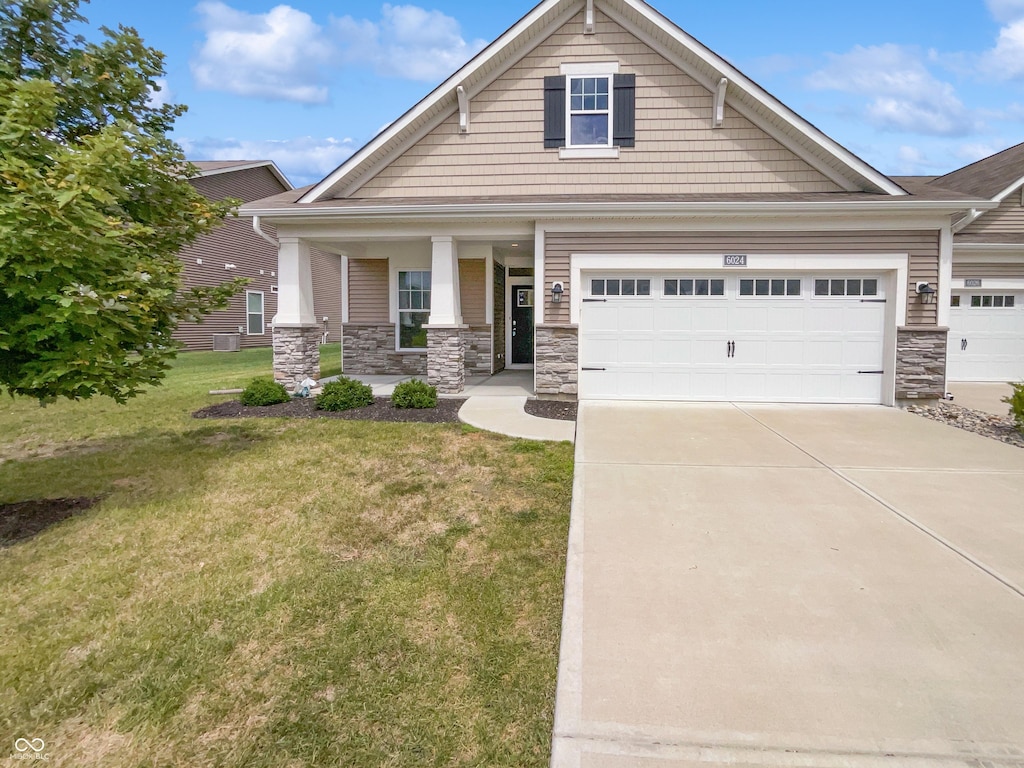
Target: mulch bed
(24, 519)
(552, 409)
(447, 411)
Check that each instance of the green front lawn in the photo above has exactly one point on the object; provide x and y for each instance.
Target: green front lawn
(278, 593)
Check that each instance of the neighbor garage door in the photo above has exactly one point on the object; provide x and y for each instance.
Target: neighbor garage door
(986, 336)
(712, 336)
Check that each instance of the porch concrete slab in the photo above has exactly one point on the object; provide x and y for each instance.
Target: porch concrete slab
(511, 383)
(984, 396)
(506, 415)
(787, 615)
(685, 434)
(884, 438)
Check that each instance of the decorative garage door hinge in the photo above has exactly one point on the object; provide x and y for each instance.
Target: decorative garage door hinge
(586, 368)
(870, 371)
(872, 301)
(595, 300)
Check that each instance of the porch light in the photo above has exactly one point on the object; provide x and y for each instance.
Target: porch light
(926, 293)
(556, 293)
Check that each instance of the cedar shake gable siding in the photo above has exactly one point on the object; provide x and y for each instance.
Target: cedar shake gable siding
(676, 149)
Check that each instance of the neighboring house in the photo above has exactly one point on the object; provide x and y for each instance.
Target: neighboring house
(234, 249)
(986, 322)
(600, 198)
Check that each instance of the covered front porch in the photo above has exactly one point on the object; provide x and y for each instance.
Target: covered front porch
(453, 310)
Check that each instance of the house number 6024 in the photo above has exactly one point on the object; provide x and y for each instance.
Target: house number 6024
(735, 259)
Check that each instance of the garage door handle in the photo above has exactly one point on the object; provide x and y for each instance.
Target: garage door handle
(730, 349)
(872, 301)
(870, 371)
(586, 300)
(585, 368)
(963, 344)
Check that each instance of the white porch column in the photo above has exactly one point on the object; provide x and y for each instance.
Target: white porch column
(445, 302)
(294, 284)
(296, 331)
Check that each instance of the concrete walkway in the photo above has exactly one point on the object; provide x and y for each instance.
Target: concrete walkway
(984, 396)
(505, 415)
(824, 587)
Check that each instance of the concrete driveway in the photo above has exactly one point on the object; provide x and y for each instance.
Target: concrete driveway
(791, 586)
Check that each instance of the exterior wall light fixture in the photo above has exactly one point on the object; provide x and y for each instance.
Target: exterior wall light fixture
(556, 293)
(926, 293)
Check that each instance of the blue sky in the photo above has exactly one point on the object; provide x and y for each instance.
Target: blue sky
(912, 86)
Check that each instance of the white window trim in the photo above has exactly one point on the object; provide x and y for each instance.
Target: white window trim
(586, 150)
(588, 153)
(263, 313)
(399, 310)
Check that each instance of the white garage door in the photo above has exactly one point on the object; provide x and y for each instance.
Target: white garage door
(986, 336)
(770, 338)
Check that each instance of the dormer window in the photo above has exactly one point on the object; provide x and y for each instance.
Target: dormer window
(590, 114)
(589, 110)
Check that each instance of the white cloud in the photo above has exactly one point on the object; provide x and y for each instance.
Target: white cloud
(1006, 10)
(906, 96)
(275, 55)
(160, 95)
(408, 42)
(304, 160)
(1006, 60)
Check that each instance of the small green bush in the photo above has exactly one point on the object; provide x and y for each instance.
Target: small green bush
(344, 394)
(1016, 403)
(414, 394)
(264, 392)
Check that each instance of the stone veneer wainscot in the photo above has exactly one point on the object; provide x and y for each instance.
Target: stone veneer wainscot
(557, 359)
(920, 363)
(369, 350)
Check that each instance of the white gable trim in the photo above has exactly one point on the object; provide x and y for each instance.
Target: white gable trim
(434, 102)
(977, 213)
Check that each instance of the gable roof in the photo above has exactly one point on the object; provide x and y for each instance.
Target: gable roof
(993, 177)
(214, 167)
(636, 16)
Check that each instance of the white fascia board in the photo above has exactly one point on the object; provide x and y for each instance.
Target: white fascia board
(978, 211)
(1009, 190)
(444, 90)
(231, 169)
(756, 92)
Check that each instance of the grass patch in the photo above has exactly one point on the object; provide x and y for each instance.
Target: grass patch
(278, 593)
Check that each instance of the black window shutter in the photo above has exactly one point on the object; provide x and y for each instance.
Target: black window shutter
(554, 111)
(624, 112)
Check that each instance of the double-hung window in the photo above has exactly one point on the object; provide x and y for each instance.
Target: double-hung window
(413, 308)
(590, 112)
(254, 324)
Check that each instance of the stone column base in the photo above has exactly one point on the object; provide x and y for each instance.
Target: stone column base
(921, 363)
(296, 354)
(446, 360)
(557, 360)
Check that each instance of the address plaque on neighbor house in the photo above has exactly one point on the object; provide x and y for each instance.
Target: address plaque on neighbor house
(972, 282)
(734, 260)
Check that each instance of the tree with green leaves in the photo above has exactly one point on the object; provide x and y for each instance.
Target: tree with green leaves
(95, 204)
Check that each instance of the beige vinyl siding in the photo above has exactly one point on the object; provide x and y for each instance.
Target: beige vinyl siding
(473, 291)
(326, 269)
(368, 290)
(982, 270)
(923, 247)
(234, 242)
(677, 151)
(1008, 217)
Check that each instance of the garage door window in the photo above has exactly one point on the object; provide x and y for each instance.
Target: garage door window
(996, 302)
(698, 286)
(775, 286)
(845, 287)
(624, 286)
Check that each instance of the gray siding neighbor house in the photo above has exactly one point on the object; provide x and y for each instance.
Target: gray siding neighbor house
(601, 199)
(234, 249)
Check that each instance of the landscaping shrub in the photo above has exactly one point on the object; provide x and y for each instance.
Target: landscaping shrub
(1016, 403)
(414, 394)
(264, 392)
(343, 394)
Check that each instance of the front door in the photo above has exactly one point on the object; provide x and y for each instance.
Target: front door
(522, 325)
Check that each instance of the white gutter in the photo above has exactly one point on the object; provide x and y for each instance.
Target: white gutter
(259, 231)
(548, 210)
